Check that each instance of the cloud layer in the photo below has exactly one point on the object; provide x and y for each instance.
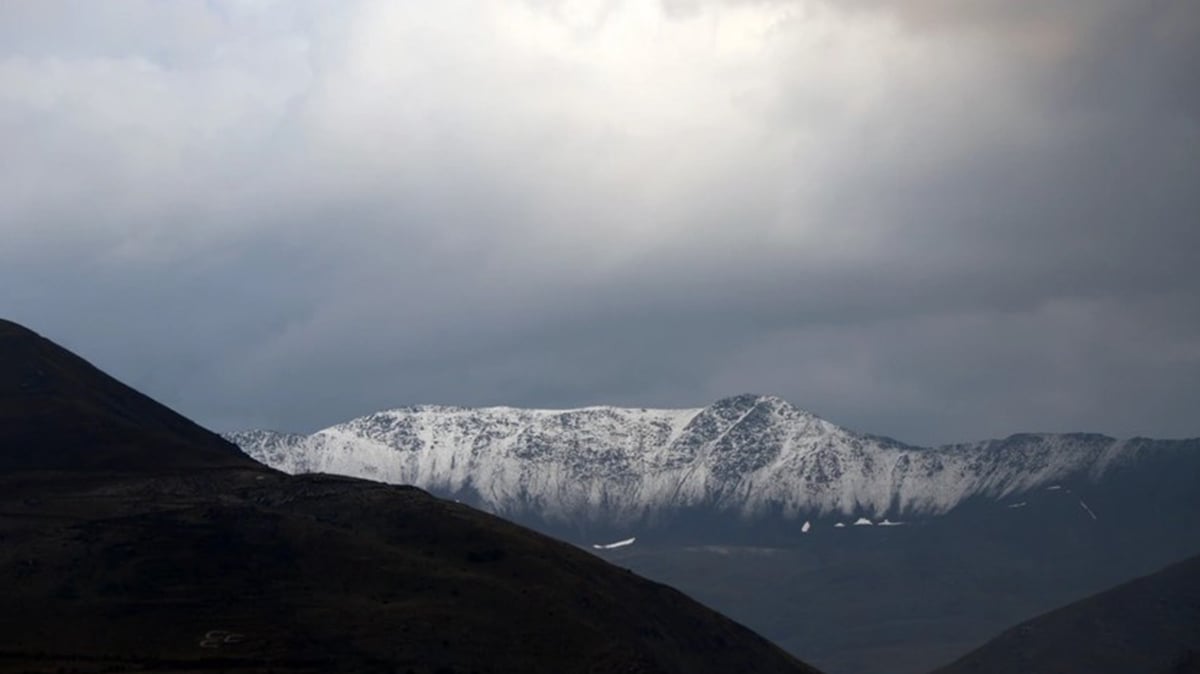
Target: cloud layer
(943, 222)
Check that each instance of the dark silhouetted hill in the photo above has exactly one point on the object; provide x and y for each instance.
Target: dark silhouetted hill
(133, 540)
(57, 411)
(1150, 625)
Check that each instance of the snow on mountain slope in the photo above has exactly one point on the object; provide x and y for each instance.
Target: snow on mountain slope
(748, 455)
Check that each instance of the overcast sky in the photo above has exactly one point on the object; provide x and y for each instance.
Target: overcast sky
(953, 220)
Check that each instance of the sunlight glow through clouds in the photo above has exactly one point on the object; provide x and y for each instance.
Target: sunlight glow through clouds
(678, 185)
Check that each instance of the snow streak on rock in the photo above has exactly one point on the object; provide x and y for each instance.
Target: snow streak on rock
(618, 544)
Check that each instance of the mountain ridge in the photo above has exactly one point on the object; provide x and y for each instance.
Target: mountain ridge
(747, 455)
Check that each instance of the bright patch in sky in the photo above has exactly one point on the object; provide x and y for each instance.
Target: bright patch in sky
(286, 214)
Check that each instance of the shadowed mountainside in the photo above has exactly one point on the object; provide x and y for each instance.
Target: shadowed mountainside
(133, 540)
(1149, 625)
(57, 411)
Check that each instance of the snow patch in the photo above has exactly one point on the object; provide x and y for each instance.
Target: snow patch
(1022, 504)
(863, 522)
(840, 525)
(1054, 487)
(888, 523)
(807, 526)
(618, 544)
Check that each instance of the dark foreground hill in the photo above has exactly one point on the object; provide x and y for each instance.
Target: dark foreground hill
(57, 411)
(133, 540)
(1150, 625)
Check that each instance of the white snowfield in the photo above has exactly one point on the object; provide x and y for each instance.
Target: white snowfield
(618, 544)
(747, 455)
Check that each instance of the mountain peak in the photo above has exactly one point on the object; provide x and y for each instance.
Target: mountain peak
(59, 412)
(748, 401)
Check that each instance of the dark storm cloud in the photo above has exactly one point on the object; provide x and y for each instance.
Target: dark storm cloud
(943, 222)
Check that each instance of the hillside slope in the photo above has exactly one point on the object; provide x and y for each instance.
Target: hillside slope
(58, 411)
(1149, 625)
(132, 540)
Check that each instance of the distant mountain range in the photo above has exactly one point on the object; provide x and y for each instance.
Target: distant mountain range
(749, 456)
(864, 554)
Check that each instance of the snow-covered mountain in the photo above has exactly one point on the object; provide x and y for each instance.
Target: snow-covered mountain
(747, 455)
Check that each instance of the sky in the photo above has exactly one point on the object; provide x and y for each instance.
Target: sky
(938, 220)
